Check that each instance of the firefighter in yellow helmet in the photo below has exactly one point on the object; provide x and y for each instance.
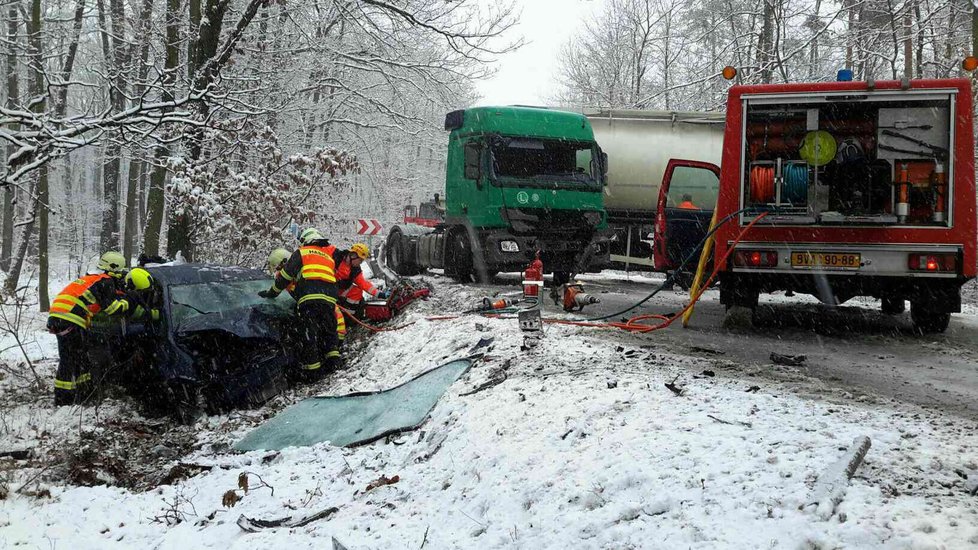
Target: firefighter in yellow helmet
(312, 270)
(70, 319)
(349, 275)
(142, 300)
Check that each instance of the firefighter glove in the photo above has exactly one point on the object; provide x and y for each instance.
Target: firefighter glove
(268, 293)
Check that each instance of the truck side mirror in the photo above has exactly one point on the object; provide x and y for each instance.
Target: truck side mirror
(604, 167)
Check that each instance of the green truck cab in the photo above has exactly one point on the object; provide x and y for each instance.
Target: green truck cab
(519, 180)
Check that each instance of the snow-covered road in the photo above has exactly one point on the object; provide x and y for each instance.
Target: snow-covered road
(854, 347)
(581, 446)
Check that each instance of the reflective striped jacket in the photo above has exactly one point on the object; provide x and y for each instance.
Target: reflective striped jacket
(348, 276)
(313, 271)
(86, 296)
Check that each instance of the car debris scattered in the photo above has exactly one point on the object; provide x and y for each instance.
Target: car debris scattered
(678, 390)
(254, 525)
(788, 360)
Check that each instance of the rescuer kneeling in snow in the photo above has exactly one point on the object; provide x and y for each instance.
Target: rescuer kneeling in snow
(70, 319)
(313, 272)
(351, 283)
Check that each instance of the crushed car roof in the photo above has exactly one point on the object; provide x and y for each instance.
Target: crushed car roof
(185, 274)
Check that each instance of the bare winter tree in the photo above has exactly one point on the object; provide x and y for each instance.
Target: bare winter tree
(139, 123)
(683, 46)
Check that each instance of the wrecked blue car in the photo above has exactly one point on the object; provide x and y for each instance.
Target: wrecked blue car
(217, 344)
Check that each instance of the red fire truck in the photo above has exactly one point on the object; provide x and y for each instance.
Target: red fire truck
(428, 214)
(868, 190)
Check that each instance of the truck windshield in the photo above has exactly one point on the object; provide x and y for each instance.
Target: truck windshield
(551, 164)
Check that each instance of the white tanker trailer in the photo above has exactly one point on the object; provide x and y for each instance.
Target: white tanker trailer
(640, 145)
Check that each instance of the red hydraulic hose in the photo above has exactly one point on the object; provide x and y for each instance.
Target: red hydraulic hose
(633, 324)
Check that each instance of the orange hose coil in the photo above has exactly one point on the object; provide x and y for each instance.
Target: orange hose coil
(762, 184)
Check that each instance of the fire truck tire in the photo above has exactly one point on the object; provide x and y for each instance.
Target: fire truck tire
(738, 318)
(736, 292)
(928, 321)
(458, 256)
(893, 305)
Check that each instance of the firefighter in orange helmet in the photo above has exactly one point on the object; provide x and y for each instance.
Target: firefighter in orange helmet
(70, 319)
(349, 277)
(313, 271)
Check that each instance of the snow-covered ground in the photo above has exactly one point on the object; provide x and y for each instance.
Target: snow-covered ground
(581, 446)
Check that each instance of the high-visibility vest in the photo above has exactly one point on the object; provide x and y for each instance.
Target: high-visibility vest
(688, 205)
(76, 303)
(317, 263)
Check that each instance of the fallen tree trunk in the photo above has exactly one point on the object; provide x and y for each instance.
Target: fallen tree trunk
(830, 488)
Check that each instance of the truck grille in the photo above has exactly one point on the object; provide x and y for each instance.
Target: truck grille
(545, 220)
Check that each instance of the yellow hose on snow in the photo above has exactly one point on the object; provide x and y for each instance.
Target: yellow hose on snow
(701, 267)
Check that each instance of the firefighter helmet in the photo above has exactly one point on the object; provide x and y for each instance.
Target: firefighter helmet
(112, 262)
(138, 279)
(360, 250)
(309, 235)
(277, 259)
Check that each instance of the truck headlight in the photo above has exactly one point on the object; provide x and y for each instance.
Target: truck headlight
(509, 246)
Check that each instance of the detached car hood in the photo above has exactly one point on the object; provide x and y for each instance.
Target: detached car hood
(247, 322)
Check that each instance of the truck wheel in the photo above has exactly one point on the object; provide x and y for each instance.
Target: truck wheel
(926, 320)
(738, 318)
(458, 256)
(893, 305)
(396, 257)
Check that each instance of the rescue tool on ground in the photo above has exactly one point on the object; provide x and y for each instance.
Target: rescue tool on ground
(575, 298)
(402, 293)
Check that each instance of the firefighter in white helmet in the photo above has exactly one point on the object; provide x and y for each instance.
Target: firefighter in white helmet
(310, 276)
(276, 261)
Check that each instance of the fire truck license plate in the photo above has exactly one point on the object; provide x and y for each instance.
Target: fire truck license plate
(831, 260)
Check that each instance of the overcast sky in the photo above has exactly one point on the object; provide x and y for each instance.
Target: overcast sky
(527, 76)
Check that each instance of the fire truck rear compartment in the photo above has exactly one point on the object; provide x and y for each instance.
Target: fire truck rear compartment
(849, 161)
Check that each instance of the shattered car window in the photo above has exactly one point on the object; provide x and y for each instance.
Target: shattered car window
(213, 298)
